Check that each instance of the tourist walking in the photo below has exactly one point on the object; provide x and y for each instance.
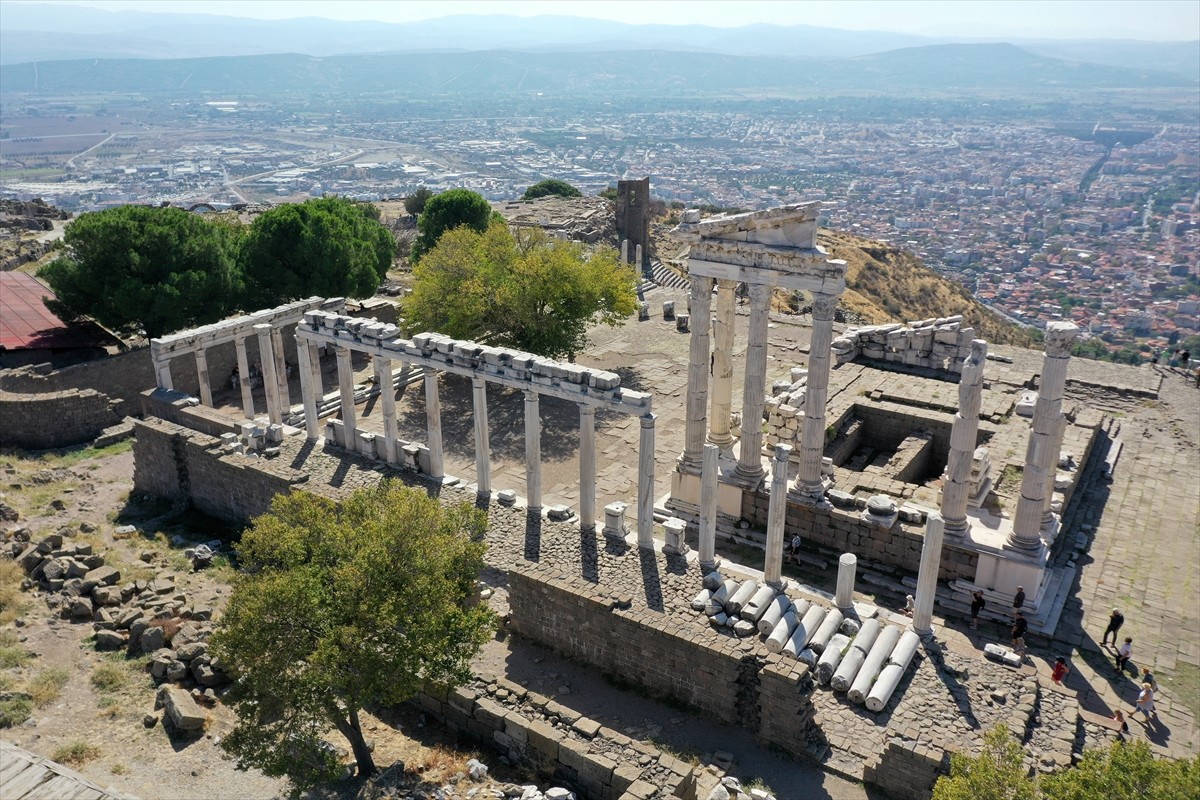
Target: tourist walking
(1060, 671)
(1145, 701)
(1124, 654)
(1115, 621)
(977, 605)
(1019, 627)
(1018, 600)
(794, 550)
(1123, 726)
(1148, 677)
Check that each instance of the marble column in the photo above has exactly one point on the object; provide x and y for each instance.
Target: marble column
(847, 569)
(587, 467)
(698, 365)
(639, 259)
(243, 363)
(433, 424)
(162, 374)
(345, 370)
(722, 366)
(285, 395)
(708, 508)
(646, 483)
(624, 251)
(310, 385)
(533, 451)
(754, 388)
(202, 378)
(1060, 431)
(387, 395)
(777, 517)
(812, 442)
(957, 487)
(927, 576)
(1040, 456)
(483, 448)
(271, 379)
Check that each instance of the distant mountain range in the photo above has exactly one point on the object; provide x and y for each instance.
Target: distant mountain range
(645, 73)
(41, 32)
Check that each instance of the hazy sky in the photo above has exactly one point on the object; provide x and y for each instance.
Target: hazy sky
(1058, 19)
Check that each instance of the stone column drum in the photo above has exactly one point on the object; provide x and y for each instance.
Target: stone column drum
(1040, 455)
(722, 367)
(931, 560)
(698, 364)
(776, 516)
(533, 451)
(708, 508)
(957, 488)
(847, 568)
(587, 467)
(754, 387)
(812, 443)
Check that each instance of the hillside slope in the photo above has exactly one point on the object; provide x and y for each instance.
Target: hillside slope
(884, 284)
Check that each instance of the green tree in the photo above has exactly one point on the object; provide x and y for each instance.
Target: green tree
(447, 211)
(551, 186)
(415, 203)
(329, 246)
(1125, 771)
(528, 293)
(998, 773)
(340, 607)
(157, 269)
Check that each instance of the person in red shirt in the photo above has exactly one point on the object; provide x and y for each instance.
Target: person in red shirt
(1060, 671)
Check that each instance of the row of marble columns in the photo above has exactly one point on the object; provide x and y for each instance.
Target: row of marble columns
(311, 389)
(717, 356)
(274, 373)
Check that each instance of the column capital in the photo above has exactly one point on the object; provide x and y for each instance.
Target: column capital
(263, 327)
(648, 420)
(587, 409)
(823, 306)
(1060, 336)
(760, 293)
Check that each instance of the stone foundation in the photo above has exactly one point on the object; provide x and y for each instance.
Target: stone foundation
(55, 419)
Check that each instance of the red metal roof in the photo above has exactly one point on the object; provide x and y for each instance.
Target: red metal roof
(26, 323)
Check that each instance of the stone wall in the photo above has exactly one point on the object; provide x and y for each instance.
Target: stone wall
(719, 676)
(173, 461)
(846, 531)
(939, 344)
(907, 770)
(55, 419)
(538, 733)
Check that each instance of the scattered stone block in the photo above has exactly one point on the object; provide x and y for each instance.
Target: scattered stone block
(181, 709)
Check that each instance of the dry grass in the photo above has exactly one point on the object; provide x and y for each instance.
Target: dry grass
(109, 676)
(76, 754)
(12, 653)
(47, 686)
(12, 600)
(439, 763)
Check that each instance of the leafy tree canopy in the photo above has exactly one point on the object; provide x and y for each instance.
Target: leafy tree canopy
(998, 773)
(339, 607)
(447, 211)
(1121, 771)
(157, 269)
(528, 293)
(415, 202)
(551, 186)
(329, 246)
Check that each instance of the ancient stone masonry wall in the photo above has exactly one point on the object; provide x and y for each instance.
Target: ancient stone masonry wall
(724, 677)
(534, 731)
(641, 646)
(845, 531)
(176, 462)
(55, 419)
(907, 769)
(940, 344)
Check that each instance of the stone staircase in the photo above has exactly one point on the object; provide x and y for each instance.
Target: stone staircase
(667, 277)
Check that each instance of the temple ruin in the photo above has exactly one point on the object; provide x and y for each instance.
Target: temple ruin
(893, 451)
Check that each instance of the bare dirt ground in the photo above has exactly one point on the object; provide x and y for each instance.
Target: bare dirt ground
(96, 702)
